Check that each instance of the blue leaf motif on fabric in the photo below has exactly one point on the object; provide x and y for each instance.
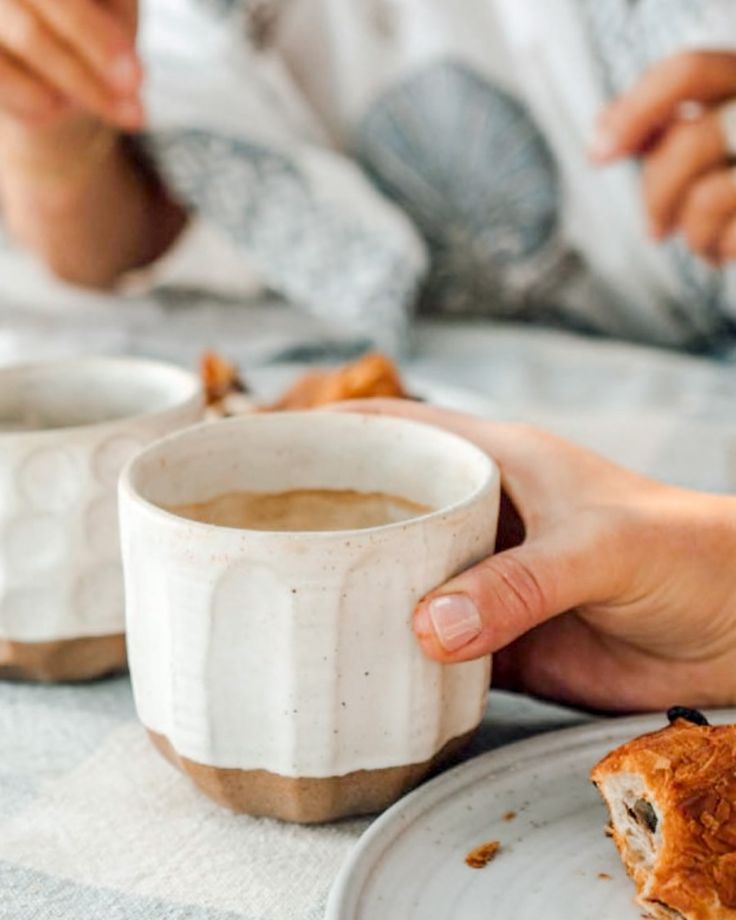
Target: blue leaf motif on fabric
(310, 250)
(469, 165)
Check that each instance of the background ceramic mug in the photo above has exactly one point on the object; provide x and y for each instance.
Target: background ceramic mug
(279, 670)
(66, 430)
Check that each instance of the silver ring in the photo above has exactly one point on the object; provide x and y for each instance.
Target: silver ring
(727, 121)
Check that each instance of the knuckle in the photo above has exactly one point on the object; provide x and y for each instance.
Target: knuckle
(516, 589)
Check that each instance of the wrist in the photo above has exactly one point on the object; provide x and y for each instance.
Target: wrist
(85, 201)
(54, 156)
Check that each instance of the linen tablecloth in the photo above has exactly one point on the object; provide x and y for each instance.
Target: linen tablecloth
(95, 825)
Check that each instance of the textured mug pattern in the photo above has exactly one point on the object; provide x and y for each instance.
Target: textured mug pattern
(293, 653)
(60, 570)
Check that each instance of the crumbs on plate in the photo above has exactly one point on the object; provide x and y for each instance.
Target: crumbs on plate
(481, 855)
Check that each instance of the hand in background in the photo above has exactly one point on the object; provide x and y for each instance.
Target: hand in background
(73, 190)
(673, 119)
(59, 59)
(621, 595)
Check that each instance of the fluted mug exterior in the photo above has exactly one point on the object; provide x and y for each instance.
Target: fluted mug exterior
(279, 670)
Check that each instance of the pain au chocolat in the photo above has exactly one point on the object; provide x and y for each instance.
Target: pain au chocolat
(671, 796)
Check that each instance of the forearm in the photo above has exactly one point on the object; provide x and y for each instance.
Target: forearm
(85, 203)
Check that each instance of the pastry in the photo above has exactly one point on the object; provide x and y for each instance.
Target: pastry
(671, 796)
(371, 376)
(220, 377)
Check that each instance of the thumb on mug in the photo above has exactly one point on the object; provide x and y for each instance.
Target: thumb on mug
(488, 606)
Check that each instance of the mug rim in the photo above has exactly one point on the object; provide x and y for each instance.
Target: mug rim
(184, 391)
(491, 477)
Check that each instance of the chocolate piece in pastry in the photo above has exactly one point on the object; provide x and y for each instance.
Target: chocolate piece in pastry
(672, 800)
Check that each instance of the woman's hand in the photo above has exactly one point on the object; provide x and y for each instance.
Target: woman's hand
(59, 59)
(621, 595)
(73, 190)
(680, 118)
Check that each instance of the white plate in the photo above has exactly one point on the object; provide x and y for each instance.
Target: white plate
(554, 860)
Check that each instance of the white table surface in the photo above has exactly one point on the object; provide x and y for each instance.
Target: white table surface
(93, 824)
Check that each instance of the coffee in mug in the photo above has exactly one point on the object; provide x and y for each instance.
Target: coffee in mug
(303, 509)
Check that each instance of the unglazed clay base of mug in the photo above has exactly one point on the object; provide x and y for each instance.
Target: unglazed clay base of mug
(63, 659)
(307, 800)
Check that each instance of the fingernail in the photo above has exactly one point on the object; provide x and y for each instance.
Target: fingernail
(123, 72)
(455, 619)
(603, 146)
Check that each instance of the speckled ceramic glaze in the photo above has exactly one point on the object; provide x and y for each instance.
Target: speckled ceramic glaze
(279, 669)
(66, 431)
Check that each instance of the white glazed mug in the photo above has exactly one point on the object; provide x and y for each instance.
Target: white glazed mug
(66, 430)
(279, 670)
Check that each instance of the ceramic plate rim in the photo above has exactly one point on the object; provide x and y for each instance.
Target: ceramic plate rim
(378, 838)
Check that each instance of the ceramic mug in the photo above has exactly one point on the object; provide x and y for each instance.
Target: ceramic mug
(279, 669)
(66, 430)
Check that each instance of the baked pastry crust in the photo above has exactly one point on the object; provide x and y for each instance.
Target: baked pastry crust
(370, 376)
(672, 799)
(220, 378)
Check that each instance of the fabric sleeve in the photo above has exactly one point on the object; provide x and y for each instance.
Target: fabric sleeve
(238, 144)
